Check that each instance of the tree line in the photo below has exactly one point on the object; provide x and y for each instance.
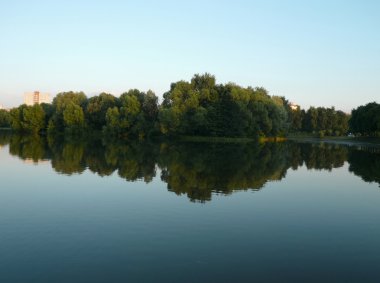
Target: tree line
(320, 121)
(198, 107)
(365, 120)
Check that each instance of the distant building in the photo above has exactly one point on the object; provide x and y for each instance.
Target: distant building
(36, 97)
(2, 108)
(294, 106)
(35, 162)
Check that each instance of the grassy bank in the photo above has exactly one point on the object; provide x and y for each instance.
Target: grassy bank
(215, 139)
(272, 139)
(230, 139)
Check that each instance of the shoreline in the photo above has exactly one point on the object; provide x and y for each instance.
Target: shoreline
(373, 142)
(348, 141)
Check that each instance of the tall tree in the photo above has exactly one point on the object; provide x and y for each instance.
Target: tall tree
(365, 120)
(28, 118)
(136, 116)
(60, 103)
(97, 107)
(73, 117)
(5, 118)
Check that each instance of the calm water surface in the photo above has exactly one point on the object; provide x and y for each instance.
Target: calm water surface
(98, 211)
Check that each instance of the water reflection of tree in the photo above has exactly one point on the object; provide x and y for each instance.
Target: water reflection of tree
(197, 170)
(318, 156)
(96, 159)
(134, 161)
(67, 155)
(365, 164)
(28, 147)
(5, 137)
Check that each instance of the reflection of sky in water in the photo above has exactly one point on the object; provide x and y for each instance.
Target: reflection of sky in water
(309, 226)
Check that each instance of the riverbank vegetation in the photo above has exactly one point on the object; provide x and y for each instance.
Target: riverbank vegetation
(196, 108)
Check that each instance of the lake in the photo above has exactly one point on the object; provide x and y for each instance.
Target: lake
(95, 210)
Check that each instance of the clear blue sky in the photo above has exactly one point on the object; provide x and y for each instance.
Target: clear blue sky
(319, 53)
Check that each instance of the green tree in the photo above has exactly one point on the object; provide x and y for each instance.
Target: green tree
(204, 108)
(365, 120)
(311, 120)
(33, 118)
(73, 117)
(97, 108)
(16, 118)
(60, 103)
(135, 117)
(28, 118)
(5, 119)
(113, 119)
(341, 125)
(49, 112)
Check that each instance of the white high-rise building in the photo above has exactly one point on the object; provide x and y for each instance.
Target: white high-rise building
(36, 97)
